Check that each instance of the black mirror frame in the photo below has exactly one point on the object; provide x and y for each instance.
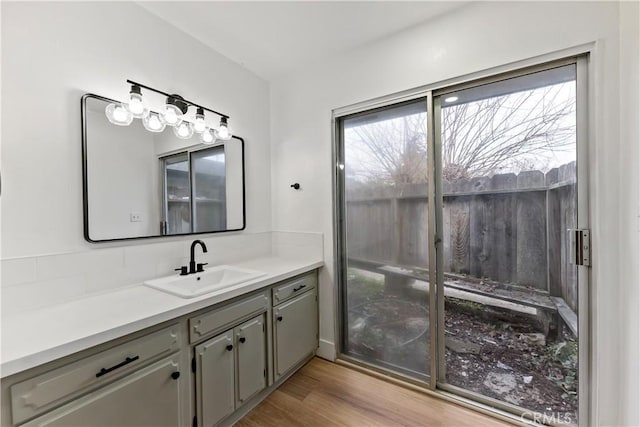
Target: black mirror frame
(85, 184)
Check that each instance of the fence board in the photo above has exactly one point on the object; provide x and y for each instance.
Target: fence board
(531, 259)
(510, 228)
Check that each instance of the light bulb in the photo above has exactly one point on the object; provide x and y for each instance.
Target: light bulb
(199, 125)
(171, 115)
(136, 106)
(152, 123)
(223, 131)
(118, 114)
(207, 137)
(184, 130)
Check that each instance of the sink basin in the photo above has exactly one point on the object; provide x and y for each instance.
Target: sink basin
(212, 279)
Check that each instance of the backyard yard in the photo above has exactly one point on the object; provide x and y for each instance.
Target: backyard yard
(494, 351)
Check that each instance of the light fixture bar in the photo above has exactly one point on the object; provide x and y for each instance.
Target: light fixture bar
(168, 95)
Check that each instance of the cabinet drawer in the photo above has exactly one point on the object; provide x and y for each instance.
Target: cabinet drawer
(147, 397)
(294, 287)
(39, 394)
(225, 317)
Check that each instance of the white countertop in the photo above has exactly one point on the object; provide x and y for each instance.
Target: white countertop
(36, 337)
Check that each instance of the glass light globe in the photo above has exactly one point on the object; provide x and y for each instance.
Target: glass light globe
(184, 130)
(152, 123)
(171, 115)
(207, 137)
(136, 106)
(199, 125)
(222, 132)
(118, 114)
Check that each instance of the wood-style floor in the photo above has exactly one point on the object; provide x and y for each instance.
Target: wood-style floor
(326, 394)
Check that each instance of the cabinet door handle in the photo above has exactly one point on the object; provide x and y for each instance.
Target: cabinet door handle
(229, 347)
(175, 375)
(279, 318)
(242, 339)
(119, 365)
(299, 287)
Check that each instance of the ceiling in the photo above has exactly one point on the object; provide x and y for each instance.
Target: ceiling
(273, 38)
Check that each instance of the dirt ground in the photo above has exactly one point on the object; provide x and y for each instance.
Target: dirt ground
(490, 351)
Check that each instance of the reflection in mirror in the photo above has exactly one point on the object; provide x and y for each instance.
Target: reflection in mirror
(148, 184)
(177, 190)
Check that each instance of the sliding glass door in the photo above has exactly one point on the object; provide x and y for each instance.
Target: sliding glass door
(507, 154)
(457, 267)
(386, 234)
(194, 193)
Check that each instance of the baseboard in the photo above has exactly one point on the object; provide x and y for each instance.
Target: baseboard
(327, 350)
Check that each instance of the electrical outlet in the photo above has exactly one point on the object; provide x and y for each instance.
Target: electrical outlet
(135, 217)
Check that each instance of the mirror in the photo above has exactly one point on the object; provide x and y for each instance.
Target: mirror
(141, 184)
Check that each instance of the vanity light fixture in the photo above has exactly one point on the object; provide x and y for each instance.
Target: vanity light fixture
(152, 123)
(199, 125)
(184, 130)
(136, 105)
(173, 110)
(222, 132)
(172, 114)
(118, 114)
(207, 137)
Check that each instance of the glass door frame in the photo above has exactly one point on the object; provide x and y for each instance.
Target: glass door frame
(582, 221)
(579, 56)
(340, 239)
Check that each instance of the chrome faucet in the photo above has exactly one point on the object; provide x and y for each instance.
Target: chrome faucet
(193, 267)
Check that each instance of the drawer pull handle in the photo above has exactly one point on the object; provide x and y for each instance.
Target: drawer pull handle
(126, 361)
(175, 375)
(242, 339)
(229, 347)
(279, 318)
(299, 287)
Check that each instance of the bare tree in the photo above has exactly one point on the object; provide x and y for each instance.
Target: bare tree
(513, 132)
(392, 152)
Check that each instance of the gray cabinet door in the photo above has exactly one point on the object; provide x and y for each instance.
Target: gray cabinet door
(215, 379)
(148, 397)
(296, 326)
(251, 353)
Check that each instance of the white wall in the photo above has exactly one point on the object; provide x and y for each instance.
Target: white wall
(474, 38)
(52, 53)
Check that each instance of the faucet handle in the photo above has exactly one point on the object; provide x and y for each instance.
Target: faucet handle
(183, 270)
(200, 267)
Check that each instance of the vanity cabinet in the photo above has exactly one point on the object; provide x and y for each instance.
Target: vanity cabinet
(149, 397)
(230, 369)
(139, 382)
(206, 368)
(230, 365)
(295, 322)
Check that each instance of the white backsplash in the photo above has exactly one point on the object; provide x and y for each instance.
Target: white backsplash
(34, 282)
(297, 245)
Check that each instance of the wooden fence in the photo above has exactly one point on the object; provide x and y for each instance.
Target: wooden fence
(509, 228)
